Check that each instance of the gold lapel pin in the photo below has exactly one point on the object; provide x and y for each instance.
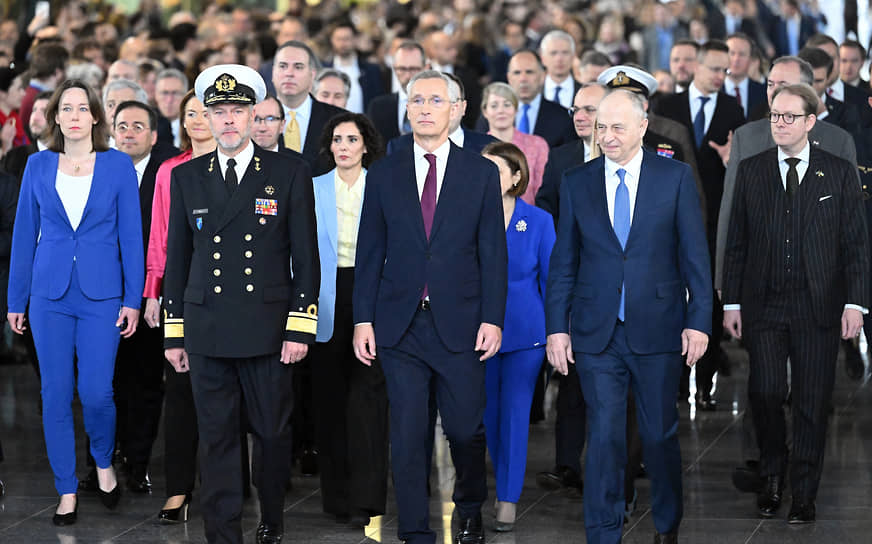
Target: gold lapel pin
(269, 190)
(211, 164)
(819, 174)
(257, 164)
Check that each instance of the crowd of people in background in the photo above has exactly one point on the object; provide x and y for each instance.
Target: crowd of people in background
(93, 99)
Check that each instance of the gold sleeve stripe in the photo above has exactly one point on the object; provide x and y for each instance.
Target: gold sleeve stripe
(174, 330)
(174, 320)
(299, 324)
(303, 315)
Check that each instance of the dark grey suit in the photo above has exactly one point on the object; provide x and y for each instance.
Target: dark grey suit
(751, 139)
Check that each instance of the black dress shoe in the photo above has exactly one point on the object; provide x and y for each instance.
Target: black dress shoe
(90, 483)
(175, 515)
(801, 512)
(769, 498)
(560, 477)
(138, 481)
(268, 534)
(110, 498)
(358, 519)
(309, 463)
(705, 403)
(666, 538)
(62, 520)
(470, 532)
(747, 479)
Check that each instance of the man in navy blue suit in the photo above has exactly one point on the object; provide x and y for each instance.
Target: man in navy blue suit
(430, 291)
(622, 279)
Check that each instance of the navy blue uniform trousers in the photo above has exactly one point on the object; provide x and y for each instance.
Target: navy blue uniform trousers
(418, 360)
(605, 381)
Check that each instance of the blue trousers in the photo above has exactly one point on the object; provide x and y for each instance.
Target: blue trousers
(416, 363)
(76, 326)
(605, 378)
(510, 380)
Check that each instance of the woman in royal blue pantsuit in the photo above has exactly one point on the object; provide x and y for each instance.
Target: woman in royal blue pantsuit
(77, 261)
(511, 374)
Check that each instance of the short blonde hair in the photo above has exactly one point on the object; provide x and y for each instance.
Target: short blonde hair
(499, 89)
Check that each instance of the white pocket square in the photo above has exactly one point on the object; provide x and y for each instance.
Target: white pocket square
(821, 199)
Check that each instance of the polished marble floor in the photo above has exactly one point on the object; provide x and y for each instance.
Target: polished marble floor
(714, 511)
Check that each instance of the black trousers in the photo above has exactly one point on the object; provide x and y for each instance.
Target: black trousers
(351, 417)
(416, 361)
(180, 432)
(570, 425)
(139, 390)
(220, 387)
(787, 330)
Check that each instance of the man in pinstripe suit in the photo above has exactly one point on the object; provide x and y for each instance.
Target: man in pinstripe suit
(795, 277)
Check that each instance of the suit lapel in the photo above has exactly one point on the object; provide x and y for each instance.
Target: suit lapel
(313, 132)
(407, 191)
(597, 189)
(685, 109)
(326, 193)
(251, 182)
(216, 193)
(96, 186)
(645, 192)
(814, 186)
(451, 191)
(770, 188)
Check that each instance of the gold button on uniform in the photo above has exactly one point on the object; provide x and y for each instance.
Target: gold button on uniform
(247, 237)
(248, 271)
(217, 272)
(217, 239)
(249, 254)
(249, 287)
(216, 255)
(217, 289)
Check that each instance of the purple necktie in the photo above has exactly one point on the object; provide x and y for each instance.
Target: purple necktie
(428, 200)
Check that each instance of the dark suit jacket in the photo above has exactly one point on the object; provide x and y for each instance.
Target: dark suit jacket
(159, 153)
(382, 111)
(756, 97)
(370, 80)
(728, 116)
(835, 242)
(553, 123)
(472, 141)
(15, 161)
(321, 113)
(778, 31)
(842, 114)
(575, 87)
(463, 264)
(8, 203)
(666, 255)
(251, 237)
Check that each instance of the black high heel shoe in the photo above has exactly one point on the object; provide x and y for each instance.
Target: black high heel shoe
(176, 515)
(110, 498)
(62, 520)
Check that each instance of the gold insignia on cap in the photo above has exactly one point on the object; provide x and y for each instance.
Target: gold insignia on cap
(620, 80)
(225, 83)
(269, 190)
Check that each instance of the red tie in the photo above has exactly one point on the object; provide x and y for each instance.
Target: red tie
(428, 200)
(739, 98)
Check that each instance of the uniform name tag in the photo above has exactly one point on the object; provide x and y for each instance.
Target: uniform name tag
(266, 206)
(200, 211)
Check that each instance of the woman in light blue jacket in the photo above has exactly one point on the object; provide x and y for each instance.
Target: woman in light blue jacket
(350, 399)
(77, 261)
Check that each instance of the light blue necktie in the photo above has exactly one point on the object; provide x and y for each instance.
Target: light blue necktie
(699, 122)
(524, 125)
(622, 223)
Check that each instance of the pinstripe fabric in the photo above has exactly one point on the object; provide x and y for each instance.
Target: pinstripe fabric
(783, 318)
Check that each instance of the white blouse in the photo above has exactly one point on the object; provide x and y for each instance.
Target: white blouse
(74, 191)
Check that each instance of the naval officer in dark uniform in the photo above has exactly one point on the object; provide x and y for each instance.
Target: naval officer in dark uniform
(240, 293)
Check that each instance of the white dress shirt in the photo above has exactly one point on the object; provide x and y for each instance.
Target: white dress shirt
(140, 168)
(532, 115)
(837, 90)
(175, 126)
(243, 158)
(73, 191)
(457, 137)
(586, 151)
(730, 89)
(422, 166)
(352, 70)
(304, 114)
(694, 94)
(567, 90)
(801, 169)
(631, 179)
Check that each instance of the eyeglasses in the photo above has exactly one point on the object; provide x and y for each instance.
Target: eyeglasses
(436, 101)
(269, 119)
(590, 110)
(137, 128)
(788, 118)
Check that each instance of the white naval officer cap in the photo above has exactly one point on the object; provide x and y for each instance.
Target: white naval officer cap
(229, 84)
(627, 77)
